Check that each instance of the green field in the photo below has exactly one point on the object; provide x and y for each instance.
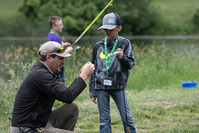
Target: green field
(167, 110)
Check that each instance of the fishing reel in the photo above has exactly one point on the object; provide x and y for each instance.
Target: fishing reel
(77, 48)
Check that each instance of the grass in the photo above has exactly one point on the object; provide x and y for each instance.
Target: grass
(162, 110)
(159, 66)
(157, 100)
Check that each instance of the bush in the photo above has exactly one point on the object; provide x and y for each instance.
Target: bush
(195, 18)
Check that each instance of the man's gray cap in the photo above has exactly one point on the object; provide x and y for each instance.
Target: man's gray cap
(53, 48)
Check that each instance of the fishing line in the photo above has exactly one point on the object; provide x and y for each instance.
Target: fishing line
(78, 47)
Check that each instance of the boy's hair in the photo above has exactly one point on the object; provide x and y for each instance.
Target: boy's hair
(53, 19)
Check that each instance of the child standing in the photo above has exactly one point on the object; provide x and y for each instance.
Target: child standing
(113, 58)
(56, 26)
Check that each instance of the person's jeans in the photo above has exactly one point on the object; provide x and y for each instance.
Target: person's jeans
(120, 98)
(60, 75)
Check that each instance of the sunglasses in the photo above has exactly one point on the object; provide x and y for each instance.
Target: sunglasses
(60, 25)
(60, 50)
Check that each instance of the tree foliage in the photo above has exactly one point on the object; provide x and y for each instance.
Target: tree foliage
(195, 18)
(138, 16)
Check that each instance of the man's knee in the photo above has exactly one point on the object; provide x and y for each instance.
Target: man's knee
(76, 109)
(72, 108)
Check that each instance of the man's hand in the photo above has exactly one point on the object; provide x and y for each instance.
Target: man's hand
(94, 99)
(86, 70)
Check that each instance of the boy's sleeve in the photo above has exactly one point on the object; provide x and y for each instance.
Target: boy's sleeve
(92, 77)
(128, 59)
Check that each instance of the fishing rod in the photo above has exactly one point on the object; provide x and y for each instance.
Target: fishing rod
(20, 129)
(127, 123)
(78, 47)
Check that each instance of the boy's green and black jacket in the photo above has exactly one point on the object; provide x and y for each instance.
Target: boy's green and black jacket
(118, 70)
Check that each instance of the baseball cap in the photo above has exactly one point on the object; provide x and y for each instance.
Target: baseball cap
(110, 21)
(53, 48)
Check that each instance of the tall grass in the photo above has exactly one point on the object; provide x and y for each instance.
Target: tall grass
(159, 66)
(16, 62)
(156, 98)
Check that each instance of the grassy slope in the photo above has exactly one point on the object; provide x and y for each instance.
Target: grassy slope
(9, 8)
(177, 12)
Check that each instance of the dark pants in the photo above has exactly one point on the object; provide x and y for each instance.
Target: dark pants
(65, 117)
(62, 120)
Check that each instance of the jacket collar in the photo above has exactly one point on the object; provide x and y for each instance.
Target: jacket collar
(46, 66)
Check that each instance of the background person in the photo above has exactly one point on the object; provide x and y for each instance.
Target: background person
(38, 91)
(113, 58)
(56, 26)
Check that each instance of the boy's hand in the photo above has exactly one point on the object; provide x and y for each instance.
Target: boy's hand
(69, 49)
(94, 99)
(119, 53)
(66, 44)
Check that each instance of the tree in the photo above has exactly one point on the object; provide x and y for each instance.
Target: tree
(138, 16)
(195, 18)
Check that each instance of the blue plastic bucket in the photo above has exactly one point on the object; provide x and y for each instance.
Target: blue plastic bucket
(189, 84)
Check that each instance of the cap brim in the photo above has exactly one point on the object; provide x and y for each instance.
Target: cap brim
(64, 54)
(108, 27)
